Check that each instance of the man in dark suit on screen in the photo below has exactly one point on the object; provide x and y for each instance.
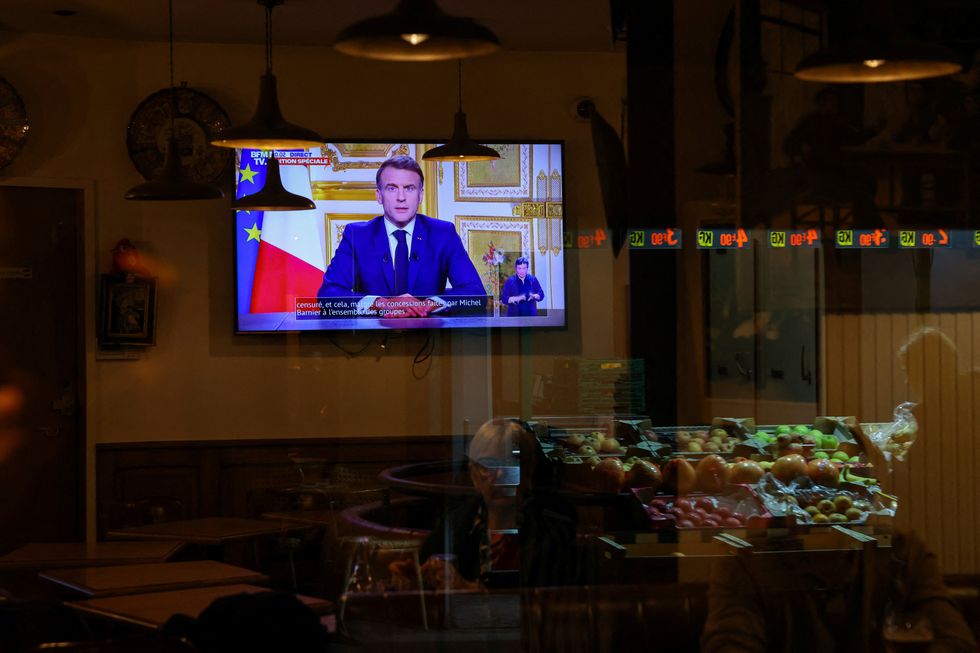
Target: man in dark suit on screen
(399, 264)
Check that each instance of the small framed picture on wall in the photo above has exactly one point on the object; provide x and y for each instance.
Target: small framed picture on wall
(128, 310)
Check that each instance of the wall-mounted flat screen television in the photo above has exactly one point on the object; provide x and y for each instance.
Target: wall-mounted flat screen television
(397, 242)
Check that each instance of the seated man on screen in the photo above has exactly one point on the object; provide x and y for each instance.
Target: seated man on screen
(398, 264)
(522, 292)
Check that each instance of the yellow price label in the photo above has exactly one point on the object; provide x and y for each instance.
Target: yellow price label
(907, 239)
(845, 238)
(705, 238)
(976, 238)
(777, 239)
(636, 239)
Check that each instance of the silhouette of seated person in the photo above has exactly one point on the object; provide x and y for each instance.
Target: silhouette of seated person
(814, 600)
(815, 146)
(262, 622)
(516, 530)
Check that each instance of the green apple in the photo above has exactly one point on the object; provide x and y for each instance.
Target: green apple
(821, 454)
(839, 455)
(817, 433)
(782, 428)
(802, 428)
(828, 442)
(854, 459)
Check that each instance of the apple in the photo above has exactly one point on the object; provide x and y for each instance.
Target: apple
(586, 450)
(794, 447)
(822, 472)
(746, 471)
(721, 434)
(645, 474)
(609, 475)
(610, 445)
(788, 467)
(575, 440)
(678, 476)
(659, 504)
(782, 428)
(682, 438)
(711, 474)
(712, 446)
(695, 446)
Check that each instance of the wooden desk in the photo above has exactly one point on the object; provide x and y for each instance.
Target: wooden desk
(82, 554)
(209, 530)
(304, 517)
(154, 609)
(131, 579)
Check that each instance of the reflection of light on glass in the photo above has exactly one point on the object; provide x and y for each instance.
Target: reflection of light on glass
(415, 38)
(874, 63)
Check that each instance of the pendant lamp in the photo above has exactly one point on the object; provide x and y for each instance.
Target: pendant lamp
(877, 61)
(172, 182)
(268, 130)
(273, 196)
(460, 146)
(416, 30)
(881, 53)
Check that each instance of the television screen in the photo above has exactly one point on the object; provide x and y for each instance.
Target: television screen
(396, 242)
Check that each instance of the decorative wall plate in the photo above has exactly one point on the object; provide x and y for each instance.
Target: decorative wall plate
(13, 123)
(198, 118)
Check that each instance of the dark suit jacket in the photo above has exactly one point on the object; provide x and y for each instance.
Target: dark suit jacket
(362, 264)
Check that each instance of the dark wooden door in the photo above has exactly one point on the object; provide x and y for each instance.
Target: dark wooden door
(41, 455)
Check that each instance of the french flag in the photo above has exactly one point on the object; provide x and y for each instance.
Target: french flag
(291, 255)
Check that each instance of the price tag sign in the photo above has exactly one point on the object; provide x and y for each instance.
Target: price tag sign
(706, 238)
(777, 239)
(906, 238)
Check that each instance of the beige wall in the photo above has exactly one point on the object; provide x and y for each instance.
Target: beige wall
(200, 381)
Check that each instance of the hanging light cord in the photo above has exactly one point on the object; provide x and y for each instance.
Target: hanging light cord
(173, 89)
(460, 83)
(268, 38)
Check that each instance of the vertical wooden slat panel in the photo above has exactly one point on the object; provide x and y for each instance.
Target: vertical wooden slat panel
(869, 376)
(975, 381)
(833, 363)
(964, 447)
(851, 339)
(949, 448)
(902, 487)
(886, 367)
(916, 465)
(931, 441)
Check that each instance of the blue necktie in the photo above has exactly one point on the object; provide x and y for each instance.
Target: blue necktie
(401, 263)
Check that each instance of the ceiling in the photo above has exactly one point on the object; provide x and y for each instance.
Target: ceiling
(541, 25)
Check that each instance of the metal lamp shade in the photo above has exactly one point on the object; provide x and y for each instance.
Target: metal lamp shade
(268, 130)
(273, 196)
(877, 61)
(416, 30)
(172, 182)
(461, 147)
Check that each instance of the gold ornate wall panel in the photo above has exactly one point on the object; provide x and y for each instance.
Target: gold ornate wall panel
(504, 180)
(334, 223)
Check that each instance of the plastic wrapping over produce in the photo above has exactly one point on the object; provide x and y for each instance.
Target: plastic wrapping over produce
(895, 438)
(810, 503)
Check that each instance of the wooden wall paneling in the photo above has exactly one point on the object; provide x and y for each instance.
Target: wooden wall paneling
(963, 325)
(931, 445)
(902, 484)
(916, 462)
(851, 360)
(885, 369)
(948, 447)
(975, 429)
(867, 407)
(833, 361)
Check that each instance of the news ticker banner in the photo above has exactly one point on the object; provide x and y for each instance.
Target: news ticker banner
(335, 308)
(739, 238)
